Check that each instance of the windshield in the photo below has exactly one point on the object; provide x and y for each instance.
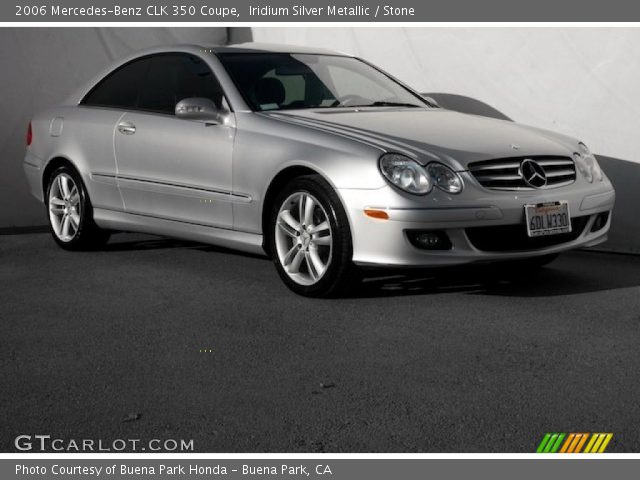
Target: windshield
(281, 81)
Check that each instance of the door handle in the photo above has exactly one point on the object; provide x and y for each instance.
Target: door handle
(127, 128)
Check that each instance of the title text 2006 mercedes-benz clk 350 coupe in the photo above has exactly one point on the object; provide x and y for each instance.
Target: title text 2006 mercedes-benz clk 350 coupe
(319, 159)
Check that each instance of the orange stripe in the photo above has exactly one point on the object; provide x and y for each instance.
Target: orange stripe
(574, 443)
(567, 442)
(581, 444)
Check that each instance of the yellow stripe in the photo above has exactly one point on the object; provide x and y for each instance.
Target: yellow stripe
(567, 442)
(598, 442)
(584, 439)
(605, 442)
(591, 442)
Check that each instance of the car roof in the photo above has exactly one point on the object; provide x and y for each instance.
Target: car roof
(250, 47)
(254, 47)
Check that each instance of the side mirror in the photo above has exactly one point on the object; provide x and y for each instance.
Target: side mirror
(198, 108)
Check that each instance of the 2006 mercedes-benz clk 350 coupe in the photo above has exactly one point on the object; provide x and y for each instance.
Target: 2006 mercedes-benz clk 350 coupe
(319, 159)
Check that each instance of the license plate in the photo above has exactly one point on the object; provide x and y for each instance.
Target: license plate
(550, 218)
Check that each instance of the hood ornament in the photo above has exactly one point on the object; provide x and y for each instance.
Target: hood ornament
(515, 147)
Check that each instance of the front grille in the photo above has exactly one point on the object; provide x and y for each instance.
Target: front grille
(511, 238)
(505, 174)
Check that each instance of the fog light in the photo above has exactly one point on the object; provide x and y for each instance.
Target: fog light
(600, 221)
(429, 239)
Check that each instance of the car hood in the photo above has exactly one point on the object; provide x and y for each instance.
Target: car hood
(435, 134)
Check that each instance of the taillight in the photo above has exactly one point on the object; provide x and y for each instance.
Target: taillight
(29, 135)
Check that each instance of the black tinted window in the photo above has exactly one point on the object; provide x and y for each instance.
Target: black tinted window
(172, 78)
(120, 88)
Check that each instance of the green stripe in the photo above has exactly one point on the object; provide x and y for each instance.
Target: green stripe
(550, 443)
(543, 443)
(558, 443)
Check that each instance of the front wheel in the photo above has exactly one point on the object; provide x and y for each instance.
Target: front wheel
(70, 212)
(310, 239)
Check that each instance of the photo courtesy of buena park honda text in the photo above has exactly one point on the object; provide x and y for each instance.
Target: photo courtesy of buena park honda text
(287, 240)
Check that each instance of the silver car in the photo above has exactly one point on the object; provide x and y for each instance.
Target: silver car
(318, 159)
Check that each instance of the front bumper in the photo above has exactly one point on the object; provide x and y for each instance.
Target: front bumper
(385, 242)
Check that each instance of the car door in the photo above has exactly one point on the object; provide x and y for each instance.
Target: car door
(99, 112)
(173, 168)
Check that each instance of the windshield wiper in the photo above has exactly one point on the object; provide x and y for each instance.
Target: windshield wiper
(394, 104)
(382, 104)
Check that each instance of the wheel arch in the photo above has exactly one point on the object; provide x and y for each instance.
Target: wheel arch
(55, 162)
(283, 177)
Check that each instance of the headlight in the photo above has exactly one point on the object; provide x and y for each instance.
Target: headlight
(408, 175)
(587, 164)
(444, 178)
(405, 173)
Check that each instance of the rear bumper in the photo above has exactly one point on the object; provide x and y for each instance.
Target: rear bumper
(386, 243)
(32, 166)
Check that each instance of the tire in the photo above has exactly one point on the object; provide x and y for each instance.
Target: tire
(70, 212)
(314, 260)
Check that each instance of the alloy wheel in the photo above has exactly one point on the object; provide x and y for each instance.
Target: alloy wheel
(64, 207)
(303, 238)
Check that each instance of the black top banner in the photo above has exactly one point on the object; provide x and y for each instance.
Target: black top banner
(233, 11)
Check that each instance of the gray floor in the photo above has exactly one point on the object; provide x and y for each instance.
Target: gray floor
(471, 360)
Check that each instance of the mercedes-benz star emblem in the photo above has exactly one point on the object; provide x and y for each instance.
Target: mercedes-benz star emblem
(532, 173)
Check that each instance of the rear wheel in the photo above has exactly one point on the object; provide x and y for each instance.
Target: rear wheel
(70, 212)
(310, 239)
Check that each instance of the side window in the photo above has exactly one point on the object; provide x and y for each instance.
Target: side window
(120, 88)
(174, 77)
